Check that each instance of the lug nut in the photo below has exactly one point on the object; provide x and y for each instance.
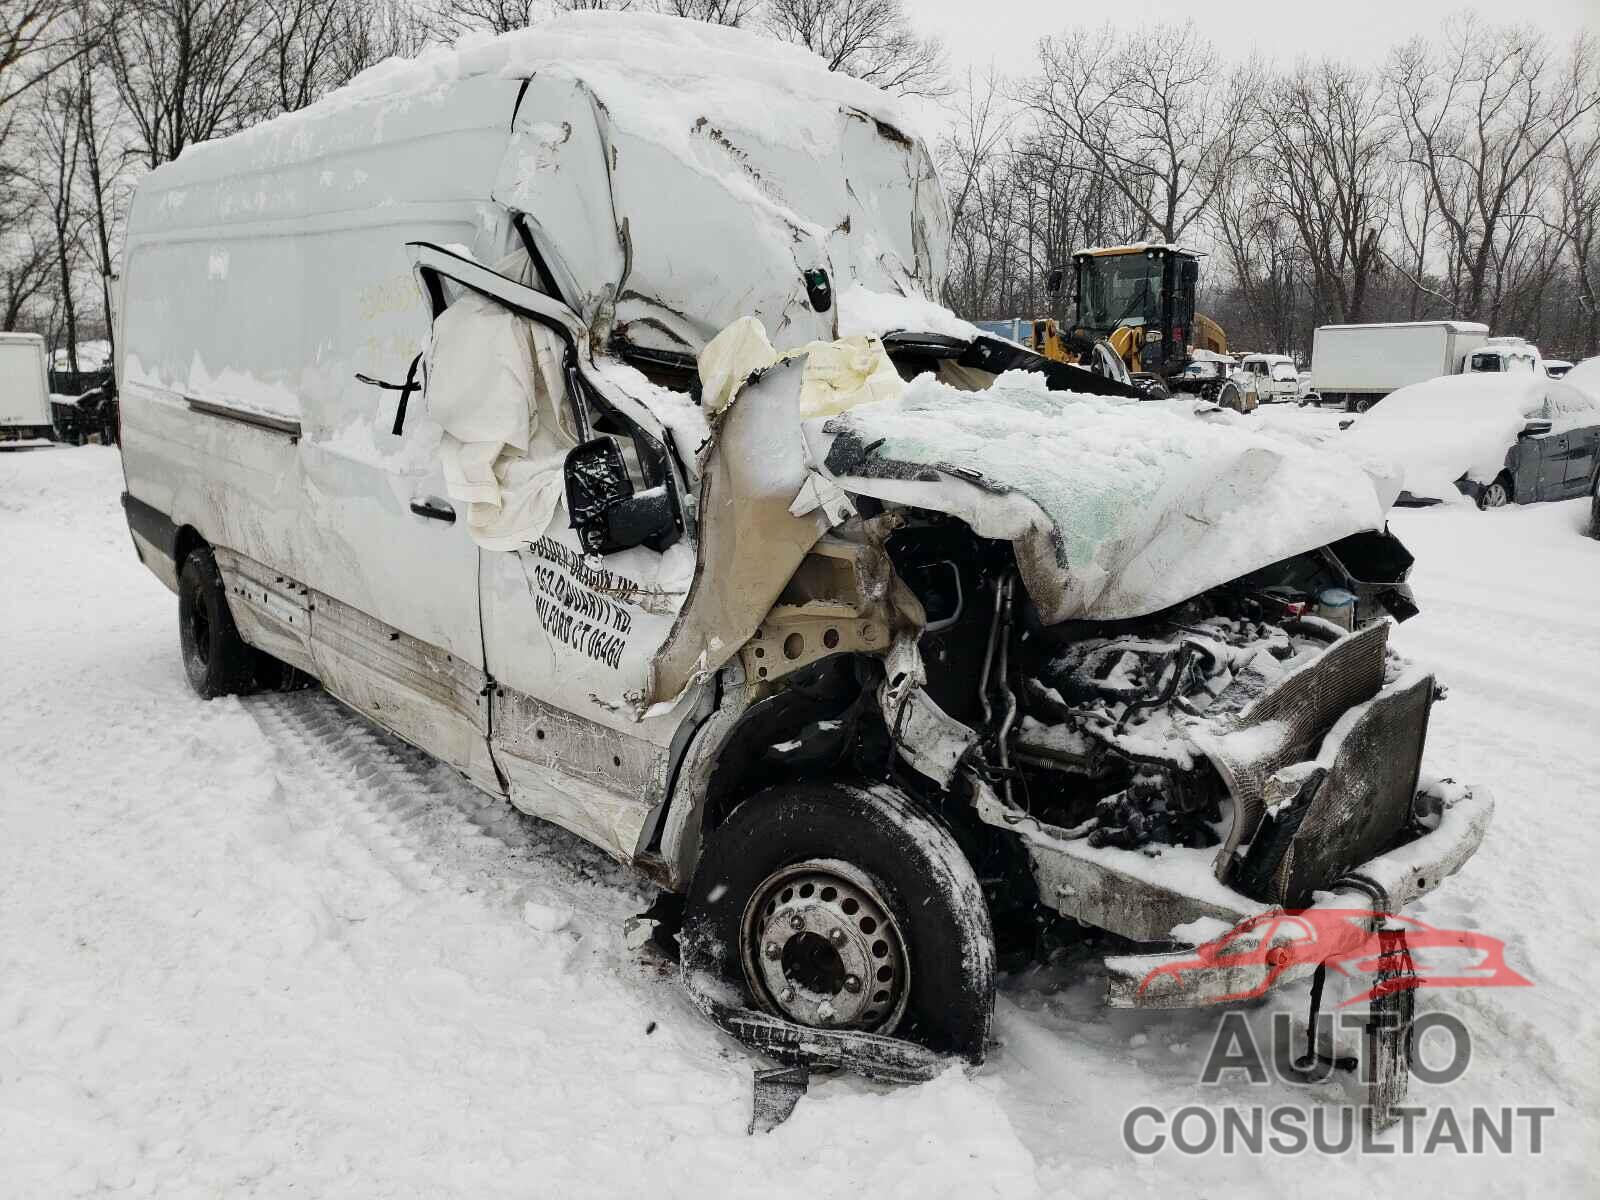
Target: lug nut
(837, 937)
(772, 950)
(852, 983)
(797, 922)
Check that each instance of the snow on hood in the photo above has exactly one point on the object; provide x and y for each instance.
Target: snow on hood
(1428, 435)
(1117, 508)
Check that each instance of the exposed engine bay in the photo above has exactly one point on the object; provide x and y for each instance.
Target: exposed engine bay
(1114, 732)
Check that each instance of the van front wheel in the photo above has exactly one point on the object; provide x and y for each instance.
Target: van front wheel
(215, 657)
(843, 907)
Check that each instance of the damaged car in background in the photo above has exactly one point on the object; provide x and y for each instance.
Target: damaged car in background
(670, 506)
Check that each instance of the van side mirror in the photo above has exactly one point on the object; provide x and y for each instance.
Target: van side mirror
(606, 511)
(1536, 428)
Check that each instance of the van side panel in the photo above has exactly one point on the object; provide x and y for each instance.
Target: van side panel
(262, 274)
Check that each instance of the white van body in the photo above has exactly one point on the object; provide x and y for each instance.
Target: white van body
(266, 272)
(579, 217)
(1274, 376)
(1359, 364)
(24, 386)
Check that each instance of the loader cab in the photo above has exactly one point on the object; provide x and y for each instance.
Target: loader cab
(1142, 299)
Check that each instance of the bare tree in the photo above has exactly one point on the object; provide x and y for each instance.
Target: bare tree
(98, 118)
(1150, 112)
(189, 70)
(37, 38)
(455, 17)
(301, 36)
(25, 258)
(1261, 247)
(733, 13)
(57, 138)
(376, 30)
(873, 40)
(1328, 170)
(1578, 191)
(1480, 115)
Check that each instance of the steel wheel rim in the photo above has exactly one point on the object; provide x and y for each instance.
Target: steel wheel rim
(820, 947)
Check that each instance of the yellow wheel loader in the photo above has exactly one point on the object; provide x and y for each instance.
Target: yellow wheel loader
(1139, 300)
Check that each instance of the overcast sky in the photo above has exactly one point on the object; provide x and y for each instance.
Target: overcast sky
(1005, 31)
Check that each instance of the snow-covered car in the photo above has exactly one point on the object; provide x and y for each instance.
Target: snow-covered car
(1275, 377)
(1215, 378)
(1585, 377)
(1495, 439)
(670, 506)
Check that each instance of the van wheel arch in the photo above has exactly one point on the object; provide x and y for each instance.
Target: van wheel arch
(917, 872)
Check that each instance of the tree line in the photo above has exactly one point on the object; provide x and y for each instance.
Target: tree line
(1461, 178)
(1458, 179)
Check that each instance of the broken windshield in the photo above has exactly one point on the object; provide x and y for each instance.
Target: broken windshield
(1119, 289)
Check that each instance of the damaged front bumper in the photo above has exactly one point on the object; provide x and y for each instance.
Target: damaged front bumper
(1149, 898)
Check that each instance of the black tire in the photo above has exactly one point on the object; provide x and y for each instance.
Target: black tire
(216, 659)
(936, 908)
(1498, 494)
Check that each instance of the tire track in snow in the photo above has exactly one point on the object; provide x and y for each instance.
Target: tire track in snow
(422, 824)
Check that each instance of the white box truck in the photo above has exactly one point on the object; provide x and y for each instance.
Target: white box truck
(616, 564)
(24, 387)
(1358, 365)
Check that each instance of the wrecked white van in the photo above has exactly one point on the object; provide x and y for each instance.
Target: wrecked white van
(577, 407)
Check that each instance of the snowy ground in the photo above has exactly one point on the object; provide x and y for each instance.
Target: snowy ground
(257, 948)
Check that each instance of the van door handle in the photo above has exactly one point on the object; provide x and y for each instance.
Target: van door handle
(434, 509)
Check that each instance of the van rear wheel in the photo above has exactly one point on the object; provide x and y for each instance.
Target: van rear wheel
(216, 659)
(843, 907)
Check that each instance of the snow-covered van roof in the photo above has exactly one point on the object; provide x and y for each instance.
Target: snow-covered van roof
(675, 175)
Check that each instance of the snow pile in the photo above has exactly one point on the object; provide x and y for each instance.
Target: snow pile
(236, 960)
(1435, 432)
(872, 314)
(1119, 508)
(1585, 377)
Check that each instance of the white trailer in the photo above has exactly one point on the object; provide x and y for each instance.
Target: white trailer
(24, 387)
(1359, 365)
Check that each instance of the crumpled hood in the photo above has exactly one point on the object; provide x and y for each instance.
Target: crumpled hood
(1116, 508)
